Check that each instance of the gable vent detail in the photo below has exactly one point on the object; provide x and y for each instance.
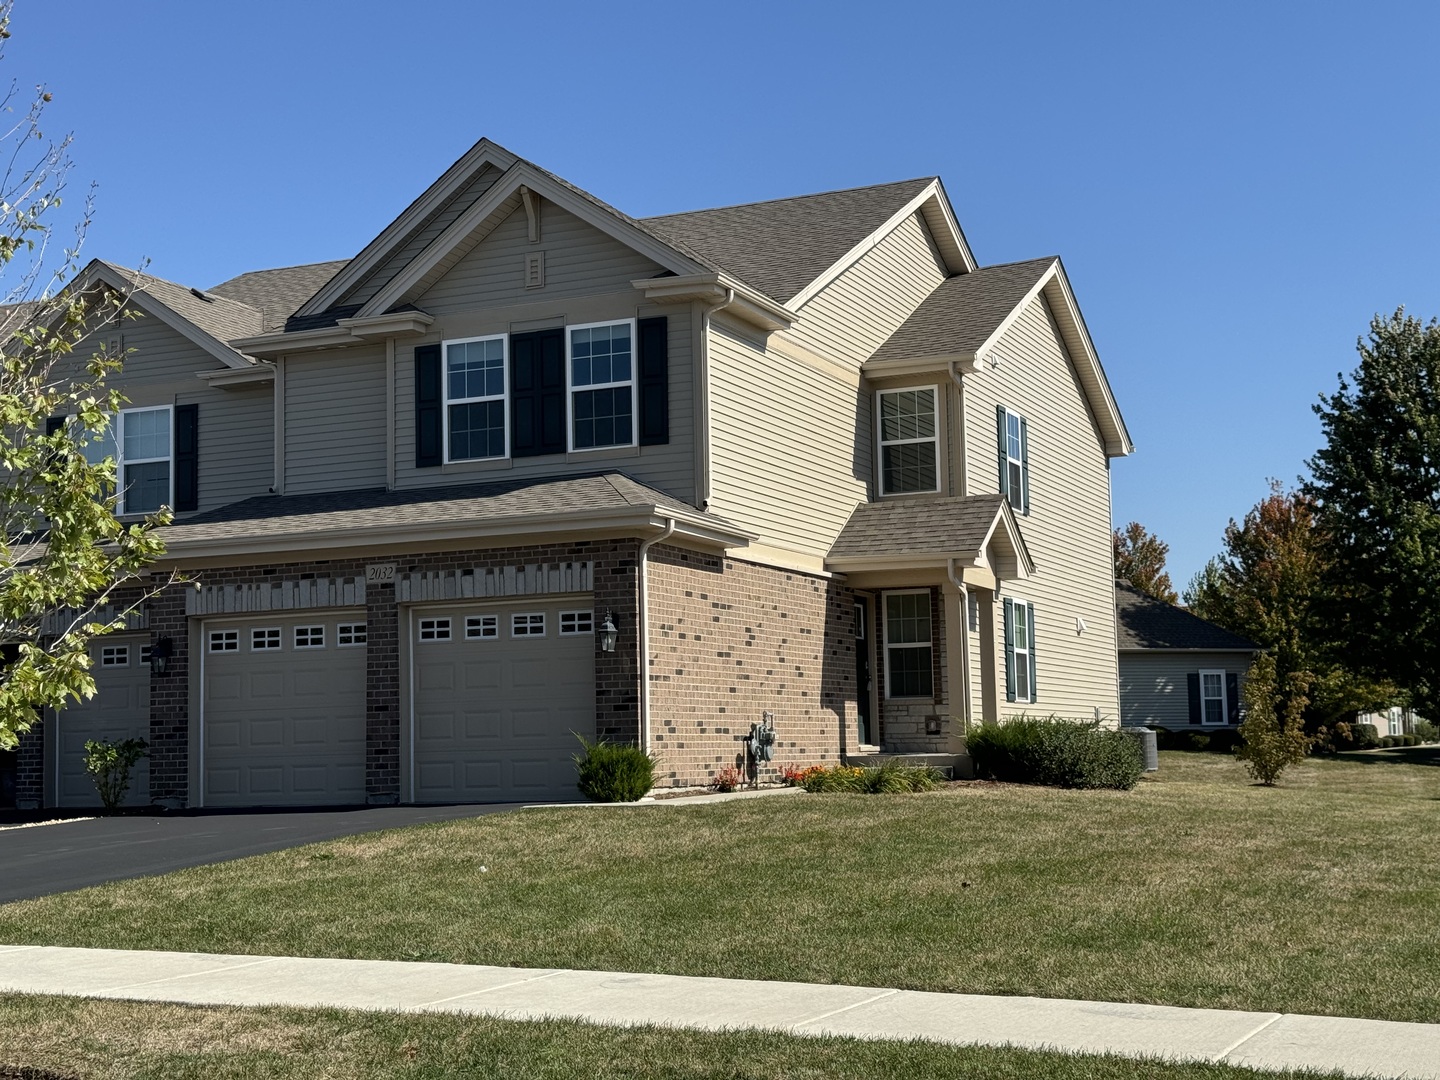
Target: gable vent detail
(535, 270)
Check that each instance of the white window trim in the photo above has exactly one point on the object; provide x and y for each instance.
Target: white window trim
(352, 643)
(1224, 697)
(223, 637)
(480, 627)
(587, 614)
(1022, 694)
(117, 429)
(571, 390)
(886, 646)
(295, 636)
(881, 444)
(439, 622)
(114, 656)
(527, 615)
(1019, 462)
(447, 401)
(279, 638)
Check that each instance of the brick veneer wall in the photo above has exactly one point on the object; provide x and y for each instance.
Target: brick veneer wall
(731, 640)
(30, 768)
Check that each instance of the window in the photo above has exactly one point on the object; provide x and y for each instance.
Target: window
(139, 441)
(1396, 727)
(475, 399)
(144, 654)
(602, 385)
(527, 625)
(1213, 706)
(434, 629)
(576, 622)
(1014, 459)
(482, 627)
(1019, 650)
(348, 634)
(909, 440)
(115, 656)
(907, 645)
(309, 637)
(264, 637)
(224, 640)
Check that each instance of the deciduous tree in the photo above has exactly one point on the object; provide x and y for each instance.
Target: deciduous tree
(1140, 560)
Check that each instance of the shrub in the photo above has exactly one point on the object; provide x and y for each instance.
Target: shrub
(1271, 743)
(1061, 753)
(610, 772)
(109, 765)
(1425, 731)
(1387, 741)
(888, 779)
(727, 779)
(790, 775)
(1411, 740)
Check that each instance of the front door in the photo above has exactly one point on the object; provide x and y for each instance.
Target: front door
(862, 672)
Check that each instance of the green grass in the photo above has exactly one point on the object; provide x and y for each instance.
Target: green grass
(108, 1040)
(1196, 889)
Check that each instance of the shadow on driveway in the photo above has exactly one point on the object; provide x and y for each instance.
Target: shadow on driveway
(72, 854)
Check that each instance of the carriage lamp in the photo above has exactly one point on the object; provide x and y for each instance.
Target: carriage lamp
(608, 633)
(160, 655)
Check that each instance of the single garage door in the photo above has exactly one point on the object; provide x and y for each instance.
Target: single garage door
(284, 711)
(500, 691)
(119, 710)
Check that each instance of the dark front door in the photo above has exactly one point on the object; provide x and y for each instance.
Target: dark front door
(862, 671)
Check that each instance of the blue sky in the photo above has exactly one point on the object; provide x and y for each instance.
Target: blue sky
(1236, 188)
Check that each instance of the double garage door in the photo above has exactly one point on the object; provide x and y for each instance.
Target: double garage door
(120, 709)
(499, 692)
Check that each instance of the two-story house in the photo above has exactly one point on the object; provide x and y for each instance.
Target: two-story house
(527, 467)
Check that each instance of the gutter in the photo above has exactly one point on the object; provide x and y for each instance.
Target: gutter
(642, 631)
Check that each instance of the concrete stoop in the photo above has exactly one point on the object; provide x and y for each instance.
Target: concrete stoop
(953, 766)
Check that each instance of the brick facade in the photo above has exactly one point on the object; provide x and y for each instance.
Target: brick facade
(732, 640)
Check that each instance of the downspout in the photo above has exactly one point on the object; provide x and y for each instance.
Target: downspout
(964, 457)
(964, 629)
(702, 486)
(642, 632)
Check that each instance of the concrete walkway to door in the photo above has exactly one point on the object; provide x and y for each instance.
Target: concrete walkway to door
(1257, 1039)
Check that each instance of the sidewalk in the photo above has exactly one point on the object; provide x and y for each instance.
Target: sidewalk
(1260, 1040)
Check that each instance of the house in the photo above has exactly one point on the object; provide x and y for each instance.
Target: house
(808, 459)
(1177, 671)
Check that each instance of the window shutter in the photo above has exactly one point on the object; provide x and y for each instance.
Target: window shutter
(429, 403)
(54, 424)
(1024, 467)
(1004, 451)
(1032, 647)
(1009, 638)
(654, 371)
(1232, 697)
(187, 457)
(537, 393)
(1193, 681)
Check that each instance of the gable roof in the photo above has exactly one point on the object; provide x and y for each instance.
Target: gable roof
(783, 245)
(278, 293)
(1144, 623)
(912, 532)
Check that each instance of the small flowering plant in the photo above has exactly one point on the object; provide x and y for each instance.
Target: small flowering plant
(727, 779)
(790, 775)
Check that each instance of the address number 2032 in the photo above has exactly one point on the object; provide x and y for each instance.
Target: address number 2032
(380, 573)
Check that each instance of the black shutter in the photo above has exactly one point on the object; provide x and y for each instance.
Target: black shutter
(54, 424)
(1009, 647)
(654, 369)
(429, 403)
(1032, 652)
(1024, 466)
(1004, 451)
(187, 457)
(1232, 695)
(537, 393)
(1192, 680)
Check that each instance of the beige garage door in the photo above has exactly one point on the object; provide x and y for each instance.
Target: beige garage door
(284, 711)
(499, 692)
(119, 710)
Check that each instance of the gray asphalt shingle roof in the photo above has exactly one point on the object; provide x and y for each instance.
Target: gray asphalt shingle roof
(274, 516)
(219, 316)
(781, 246)
(963, 311)
(899, 527)
(278, 293)
(1144, 623)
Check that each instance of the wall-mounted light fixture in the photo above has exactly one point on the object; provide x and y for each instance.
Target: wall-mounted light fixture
(608, 633)
(160, 654)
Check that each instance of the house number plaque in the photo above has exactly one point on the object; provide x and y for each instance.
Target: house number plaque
(380, 573)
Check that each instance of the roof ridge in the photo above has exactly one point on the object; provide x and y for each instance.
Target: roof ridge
(790, 198)
(1013, 262)
(279, 269)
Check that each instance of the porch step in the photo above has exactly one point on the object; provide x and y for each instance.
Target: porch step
(955, 766)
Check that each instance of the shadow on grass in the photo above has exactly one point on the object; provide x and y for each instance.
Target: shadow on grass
(1396, 755)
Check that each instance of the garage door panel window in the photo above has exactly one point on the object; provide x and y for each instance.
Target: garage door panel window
(115, 656)
(482, 627)
(435, 629)
(224, 640)
(576, 622)
(527, 624)
(309, 637)
(263, 638)
(348, 635)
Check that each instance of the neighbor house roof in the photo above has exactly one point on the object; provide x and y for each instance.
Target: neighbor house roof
(781, 246)
(219, 316)
(278, 293)
(1145, 623)
(905, 531)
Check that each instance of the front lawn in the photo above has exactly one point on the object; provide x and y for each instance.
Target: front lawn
(1196, 889)
(101, 1040)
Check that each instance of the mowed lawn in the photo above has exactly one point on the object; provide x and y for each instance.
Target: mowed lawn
(1196, 889)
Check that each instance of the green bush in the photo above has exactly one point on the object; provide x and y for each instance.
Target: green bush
(1364, 737)
(610, 772)
(1387, 741)
(1060, 753)
(1272, 737)
(888, 779)
(1425, 731)
(1411, 740)
(109, 765)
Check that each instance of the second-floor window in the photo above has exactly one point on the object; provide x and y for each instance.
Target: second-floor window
(1014, 434)
(475, 399)
(909, 440)
(139, 441)
(602, 385)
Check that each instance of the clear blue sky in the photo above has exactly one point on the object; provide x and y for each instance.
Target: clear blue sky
(1236, 188)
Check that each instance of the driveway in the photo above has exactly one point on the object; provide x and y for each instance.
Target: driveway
(56, 857)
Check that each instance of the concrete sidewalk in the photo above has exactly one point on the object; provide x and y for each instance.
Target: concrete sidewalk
(1261, 1040)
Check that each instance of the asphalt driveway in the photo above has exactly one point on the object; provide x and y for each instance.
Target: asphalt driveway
(41, 859)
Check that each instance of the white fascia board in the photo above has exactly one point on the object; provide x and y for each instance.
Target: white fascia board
(398, 324)
(328, 337)
(1017, 311)
(452, 180)
(919, 365)
(712, 288)
(949, 237)
(262, 372)
(938, 560)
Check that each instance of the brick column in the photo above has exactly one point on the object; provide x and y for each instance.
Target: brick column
(617, 674)
(170, 701)
(30, 772)
(382, 695)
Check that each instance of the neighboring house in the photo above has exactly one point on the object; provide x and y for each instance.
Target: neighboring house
(807, 457)
(1177, 671)
(1393, 721)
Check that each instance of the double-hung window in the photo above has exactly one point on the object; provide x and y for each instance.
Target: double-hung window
(139, 441)
(475, 399)
(909, 423)
(1019, 650)
(908, 655)
(1214, 708)
(1014, 437)
(601, 363)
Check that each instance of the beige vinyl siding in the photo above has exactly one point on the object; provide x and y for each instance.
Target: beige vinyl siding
(853, 316)
(1068, 528)
(335, 421)
(423, 237)
(1154, 686)
(791, 449)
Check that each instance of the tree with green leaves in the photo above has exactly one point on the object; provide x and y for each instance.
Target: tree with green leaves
(1376, 484)
(1140, 560)
(64, 556)
(1272, 736)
